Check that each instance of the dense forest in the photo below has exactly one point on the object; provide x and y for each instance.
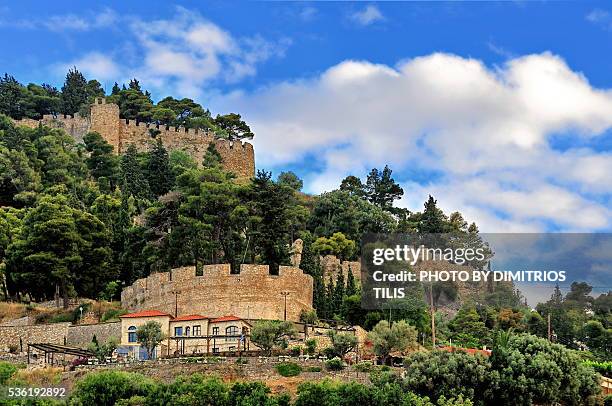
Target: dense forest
(78, 220)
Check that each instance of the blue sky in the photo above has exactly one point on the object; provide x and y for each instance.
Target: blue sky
(500, 110)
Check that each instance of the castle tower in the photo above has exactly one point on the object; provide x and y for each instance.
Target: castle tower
(105, 121)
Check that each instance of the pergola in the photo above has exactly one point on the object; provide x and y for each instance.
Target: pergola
(51, 349)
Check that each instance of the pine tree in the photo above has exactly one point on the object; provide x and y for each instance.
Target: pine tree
(433, 219)
(102, 163)
(116, 89)
(381, 189)
(134, 182)
(351, 287)
(159, 173)
(212, 158)
(74, 92)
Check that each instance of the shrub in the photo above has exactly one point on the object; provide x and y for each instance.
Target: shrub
(314, 369)
(334, 364)
(288, 369)
(192, 390)
(295, 351)
(364, 366)
(450, 374)
(105, 388)
(311, 346)
(7, 370)
(608, 400)
(533, 370)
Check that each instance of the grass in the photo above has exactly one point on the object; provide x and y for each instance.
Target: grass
(36, 377)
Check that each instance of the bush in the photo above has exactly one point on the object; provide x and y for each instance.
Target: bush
(608, 400)
(105, 388)
(334, 364)
(533, 370)
(192, 390)
(449, 374)
(364, 366)
(296, 351)
(288, 369)
(314, 369)
(7, 370)
(311, 346)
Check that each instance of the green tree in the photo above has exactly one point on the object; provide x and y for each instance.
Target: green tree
(268, 334)
(233, 127)
(158, 172)
(133, 180)
(74, 92)
(270, 207)
(102, 163)
(337, 245)
(433, 219)
(354, 186)
(341, 344)
(290, 180)
(149, 335)
(388, 338)
(381, 189)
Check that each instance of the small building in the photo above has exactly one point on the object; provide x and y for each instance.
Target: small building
(186, 335)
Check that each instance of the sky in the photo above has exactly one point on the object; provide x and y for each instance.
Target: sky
(502, 111)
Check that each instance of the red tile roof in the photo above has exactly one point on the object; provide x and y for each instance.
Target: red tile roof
(146, 313)
(225, 318)
(190, 317)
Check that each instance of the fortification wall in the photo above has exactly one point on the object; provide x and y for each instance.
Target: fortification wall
(332, 266)
(18, 337)
(251, 294)
(81, 335)
(104, 119)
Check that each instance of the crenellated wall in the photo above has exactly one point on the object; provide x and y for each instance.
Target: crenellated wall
(251, 294)
(104, 119)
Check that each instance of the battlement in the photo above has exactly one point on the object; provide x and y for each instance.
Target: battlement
(237, 157)
(251, 293)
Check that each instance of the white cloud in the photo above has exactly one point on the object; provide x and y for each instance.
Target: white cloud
(601, 18)
(486, 133)
(93, 65)
(180, 54)
(369, 15)
(66, 22)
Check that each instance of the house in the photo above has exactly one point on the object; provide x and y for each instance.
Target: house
(187, 334)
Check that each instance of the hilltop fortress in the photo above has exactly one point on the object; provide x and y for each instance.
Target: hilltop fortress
(104, 119)
(251, 294)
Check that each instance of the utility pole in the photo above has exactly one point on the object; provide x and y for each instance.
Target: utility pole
(549, 335)
(285, 294)
(433, 316)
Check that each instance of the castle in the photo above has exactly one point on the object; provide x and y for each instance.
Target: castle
(251, 294)
(104, 119)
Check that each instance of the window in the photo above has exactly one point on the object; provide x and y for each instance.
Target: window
(178, 331)
(231, 331)
(215, 331)
(197, 330)
(132, 334)
(215, 350)
(187, 331)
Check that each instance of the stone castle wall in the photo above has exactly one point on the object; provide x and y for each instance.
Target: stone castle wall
(332, 266)
(251, 294)
(104, 119)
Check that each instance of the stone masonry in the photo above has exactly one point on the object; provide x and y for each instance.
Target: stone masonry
(104, 119)
(251, 294)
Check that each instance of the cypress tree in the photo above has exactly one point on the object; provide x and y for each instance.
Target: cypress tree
(133, 180)
(351, 287)
(158, 170)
